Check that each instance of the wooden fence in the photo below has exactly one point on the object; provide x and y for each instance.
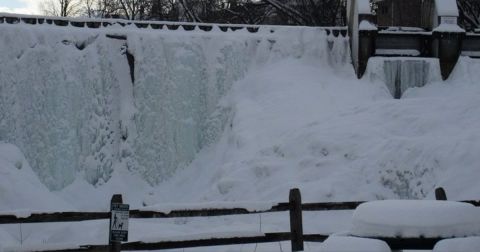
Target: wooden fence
(295, 236)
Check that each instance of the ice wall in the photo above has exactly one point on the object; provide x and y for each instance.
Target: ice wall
(400, 74)
(68, 102)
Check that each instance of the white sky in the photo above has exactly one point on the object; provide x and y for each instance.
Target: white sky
(20, 6)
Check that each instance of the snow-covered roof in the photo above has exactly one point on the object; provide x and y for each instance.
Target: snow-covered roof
(367, 26)
(447, 7)
(415, 218)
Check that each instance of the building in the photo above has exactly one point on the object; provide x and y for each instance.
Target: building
(405, 13)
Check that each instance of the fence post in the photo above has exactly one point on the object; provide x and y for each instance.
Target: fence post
(114, 246)
(440, 194)
(296, 224)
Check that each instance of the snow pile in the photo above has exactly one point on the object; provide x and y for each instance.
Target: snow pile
(353, 244)
(468, 244)
(68, 102)
(20, 189)
(315, 127)
(415, 218)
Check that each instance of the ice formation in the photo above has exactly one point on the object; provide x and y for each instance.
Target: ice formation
(400, 73)
(67, 99)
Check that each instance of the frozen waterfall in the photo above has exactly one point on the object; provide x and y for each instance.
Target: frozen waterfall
(400, 73)
(67, 99)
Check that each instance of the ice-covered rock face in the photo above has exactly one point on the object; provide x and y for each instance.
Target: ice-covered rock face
(68, 101)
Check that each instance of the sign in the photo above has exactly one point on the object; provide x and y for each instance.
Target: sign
(448, 20)
(119, 222)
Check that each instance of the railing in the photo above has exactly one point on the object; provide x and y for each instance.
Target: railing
(295, 236)
(154, 25)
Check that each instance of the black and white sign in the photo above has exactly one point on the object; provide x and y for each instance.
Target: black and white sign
(119, 223)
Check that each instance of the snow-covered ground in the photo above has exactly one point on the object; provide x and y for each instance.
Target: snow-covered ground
(255, 122)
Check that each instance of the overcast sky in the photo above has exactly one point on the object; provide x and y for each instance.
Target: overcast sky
(20, 6)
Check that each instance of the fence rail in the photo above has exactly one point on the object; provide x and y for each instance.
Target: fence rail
(141, 214)
(294, 206)
(95, 23)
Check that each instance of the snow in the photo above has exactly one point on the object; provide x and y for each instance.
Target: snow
(468, 244)
(85, 118)
(454, 28)
(249, 206)
(471, 53)
(404, 29)
(20, 189)
(367, 26)
(446, 7)
(52, 247)
(204, 236)
(285, 110)
(336, 243)
(404, 52)
(415, 218)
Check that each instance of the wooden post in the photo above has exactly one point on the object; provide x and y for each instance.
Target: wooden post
(114, 246)
(296, 224)
(440, 194)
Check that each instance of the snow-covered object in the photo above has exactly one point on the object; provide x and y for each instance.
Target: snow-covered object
(68, 102)
(446, 8)
(467, 244)
(415, 218)
(367, 26)
(353, 244)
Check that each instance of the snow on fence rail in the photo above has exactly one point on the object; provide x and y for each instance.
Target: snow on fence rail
(96, 23)
(294, 206)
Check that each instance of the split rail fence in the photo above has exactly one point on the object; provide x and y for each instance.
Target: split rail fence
(295, 235)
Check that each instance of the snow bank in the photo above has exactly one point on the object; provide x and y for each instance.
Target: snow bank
(415, 218)
(468, 244)
(68, 102)
(353, 244)
(20, 189)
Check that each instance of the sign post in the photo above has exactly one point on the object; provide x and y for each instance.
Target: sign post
(118, 223)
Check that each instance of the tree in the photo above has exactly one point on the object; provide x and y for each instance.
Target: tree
(62, 8)
(310, 12)
(469, 14)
